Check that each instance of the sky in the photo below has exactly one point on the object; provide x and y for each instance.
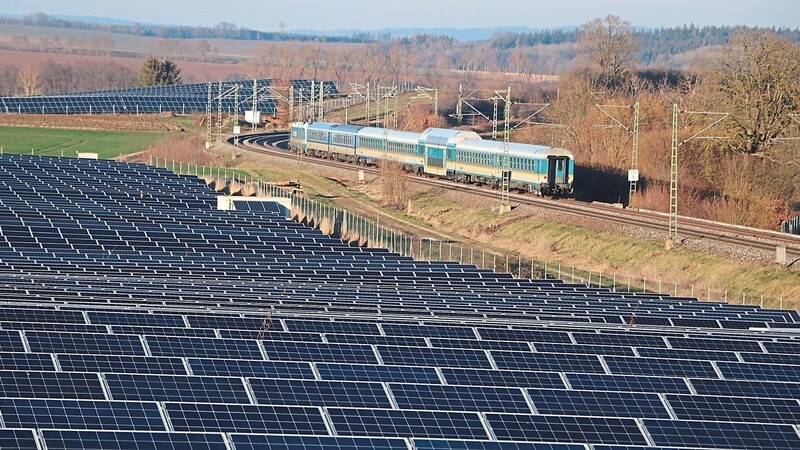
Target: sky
(267, 15)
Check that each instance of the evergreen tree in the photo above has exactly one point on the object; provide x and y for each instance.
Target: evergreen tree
(156, 73)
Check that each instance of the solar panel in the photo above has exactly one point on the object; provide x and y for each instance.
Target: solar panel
(11, 341)
(449, 444)
(735, 409)
(31, 384)
(203, 347)
(405, 423)
(627, 383)
(246, 418)
(753, 371)
(551, 362)
(176, 388)
(283, 442)
(749, 436)
(459, 398)
(594, 430)
(97, 344)
(120, 318)
(121, 364)
(510, 378)
(310, 351)
(125, 440)
(445, 357)
(18, 439)
(739, 388)
(598, 403)
(320, 393)
(26, 361)
(362, 372)
(504, 334)
(80, 414)
(251, 368)
(660, 367)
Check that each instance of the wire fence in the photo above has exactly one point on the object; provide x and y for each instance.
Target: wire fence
(367, 232)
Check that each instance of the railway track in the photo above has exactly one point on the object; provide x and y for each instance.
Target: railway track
(689, 228)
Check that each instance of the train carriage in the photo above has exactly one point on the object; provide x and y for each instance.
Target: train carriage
(455, 154)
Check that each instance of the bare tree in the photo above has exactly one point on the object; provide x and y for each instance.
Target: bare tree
(341, 61)
(202, 48)
(758, 82)
(28, 81)
(609, 45)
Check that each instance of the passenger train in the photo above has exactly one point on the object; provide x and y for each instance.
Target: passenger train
(454, 154)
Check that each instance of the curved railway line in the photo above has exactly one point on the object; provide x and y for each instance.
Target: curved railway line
(689, 227)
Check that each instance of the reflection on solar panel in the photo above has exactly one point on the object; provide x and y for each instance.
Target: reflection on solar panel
(132, 321)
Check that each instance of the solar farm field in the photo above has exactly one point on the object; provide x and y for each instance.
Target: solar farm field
(137, 315)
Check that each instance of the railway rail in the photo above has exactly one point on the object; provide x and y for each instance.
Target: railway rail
(699, 229)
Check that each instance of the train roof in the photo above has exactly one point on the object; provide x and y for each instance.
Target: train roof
(514, 148)
(336, 127)
(441, 136)
(409, 137)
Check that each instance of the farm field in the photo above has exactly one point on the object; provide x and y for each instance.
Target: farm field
(67, 142)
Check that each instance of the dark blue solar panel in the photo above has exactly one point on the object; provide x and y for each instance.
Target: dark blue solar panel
(246, 418)
(18, 439)
(120, 318)
(203, 347)
(746, 436)
(510, 378)
(361, 372)
(311, 351)
(404, 423)
(126, 440)
(738, 388)
(80, 414)
(340, 327)
(282, 442)
(594, 430)
(715, 344)
(620, 339)
(251, 368)
(459, 398)
(121, 364)
(176, 388)
(660, 367)
(550, 362)
(598, 403)
(320, 393)
(700, 355)
(735, 409)
(11, 341)
(448, 444)
(96, 344)
(445, 357)
(760, 372)
(459, 332)
(505, 334)
(629, 383)
(26, 361)
(29, 384)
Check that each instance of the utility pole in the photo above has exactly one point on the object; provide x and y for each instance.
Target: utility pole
(367, 106)
(219, 112)
(321, 112)
(208, 118)
(673, 181)
(633, 174)
(505, 172)
(255, 104)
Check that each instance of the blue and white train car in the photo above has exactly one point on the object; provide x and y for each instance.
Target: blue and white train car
(455, 154)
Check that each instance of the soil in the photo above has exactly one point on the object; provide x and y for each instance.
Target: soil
(105, 122)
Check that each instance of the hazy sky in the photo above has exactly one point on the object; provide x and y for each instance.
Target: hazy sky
(266, 15)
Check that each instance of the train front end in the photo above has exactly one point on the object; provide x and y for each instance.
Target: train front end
(560, 171)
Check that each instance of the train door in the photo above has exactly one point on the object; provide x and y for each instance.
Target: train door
(557, 170)
(435, 160)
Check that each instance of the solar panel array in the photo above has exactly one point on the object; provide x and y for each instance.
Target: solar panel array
(303, 89)
(180, 98)
(135, 315)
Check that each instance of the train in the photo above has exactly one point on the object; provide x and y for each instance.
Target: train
(458, 155)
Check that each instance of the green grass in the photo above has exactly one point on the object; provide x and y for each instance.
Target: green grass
(64, 142)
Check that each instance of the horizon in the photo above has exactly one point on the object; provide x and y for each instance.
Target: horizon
(452, 14)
